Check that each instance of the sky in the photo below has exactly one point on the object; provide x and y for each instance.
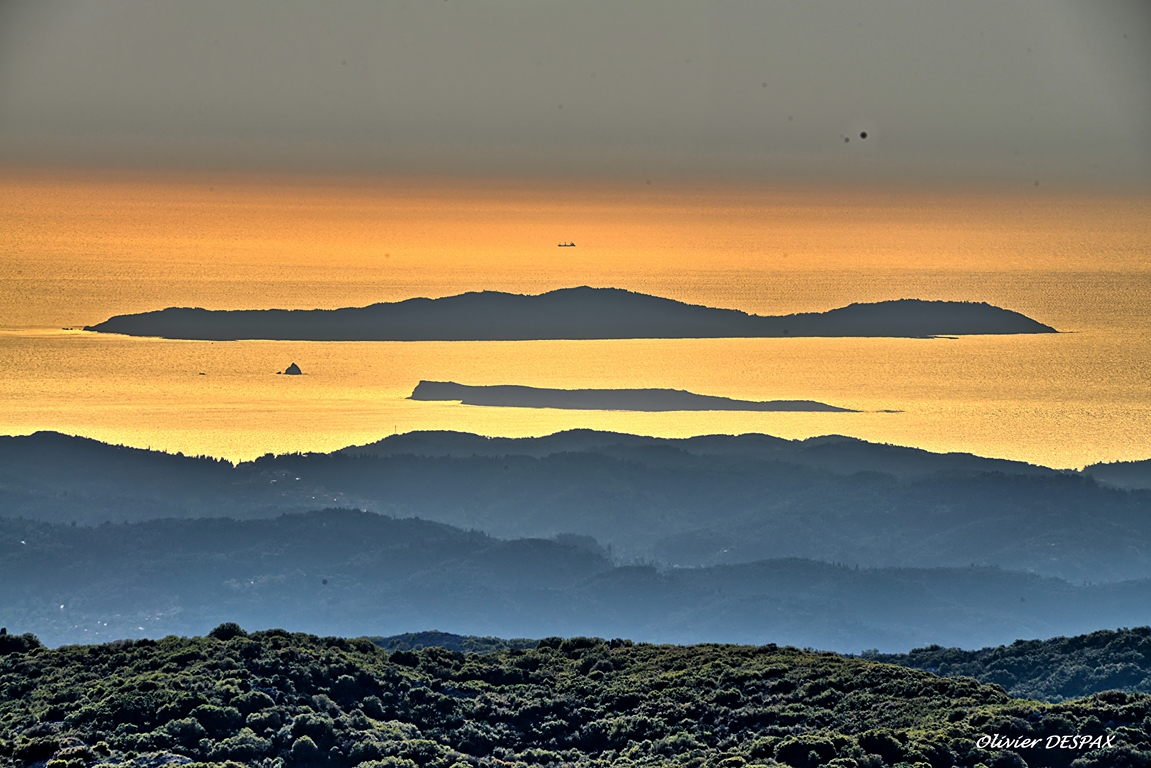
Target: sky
(1010, 91)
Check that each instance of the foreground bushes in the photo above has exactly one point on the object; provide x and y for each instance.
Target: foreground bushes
(275, 700)
(1051, 670)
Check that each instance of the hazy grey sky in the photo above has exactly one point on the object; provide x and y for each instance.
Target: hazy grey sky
(1008, 90)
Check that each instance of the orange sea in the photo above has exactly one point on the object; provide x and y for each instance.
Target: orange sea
(77, 249)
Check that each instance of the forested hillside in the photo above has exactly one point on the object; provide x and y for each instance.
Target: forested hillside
(414, 641)
(1049, 670)
(1052, 670)
(272, 698)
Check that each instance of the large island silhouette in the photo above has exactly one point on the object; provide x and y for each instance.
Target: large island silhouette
(654, 400)
(567, 313)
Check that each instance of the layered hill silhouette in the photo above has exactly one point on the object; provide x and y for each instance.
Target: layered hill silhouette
(512, 396)
(357, 573)
(1122, 474)
(568, 313)
(703, 501)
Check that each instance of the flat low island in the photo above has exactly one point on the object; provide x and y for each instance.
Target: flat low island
(568, 313)
(652, 400)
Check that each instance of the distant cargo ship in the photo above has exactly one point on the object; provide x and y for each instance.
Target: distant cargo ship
(567, 245)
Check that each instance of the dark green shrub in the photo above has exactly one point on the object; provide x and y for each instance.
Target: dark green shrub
(805, 751)
(227, 631)
(882, 743)
(186, 732)
(305, 751)
(574, 645)
(420, 751)
(263, 720)
(373, 707)
(76, 752)
(319, 728)
(253, 701)
(390, 762)
(19, 643)
(245, 746)
(218, 721)
(37, 749)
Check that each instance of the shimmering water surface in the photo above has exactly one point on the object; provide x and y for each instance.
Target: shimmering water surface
(76, 251)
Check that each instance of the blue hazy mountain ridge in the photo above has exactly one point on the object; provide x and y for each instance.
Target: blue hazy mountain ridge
(341, 572)
(567, 313)
(1122, 474)
(685, 503)
(514, 396)
(843, 455)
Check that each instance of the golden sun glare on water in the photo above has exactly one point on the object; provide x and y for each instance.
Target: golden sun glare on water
(82, 249)
(248, 242)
